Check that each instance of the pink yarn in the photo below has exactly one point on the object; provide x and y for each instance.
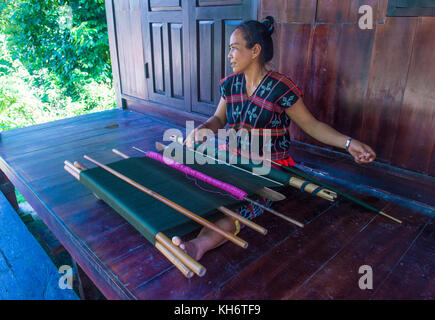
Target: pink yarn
(236, 192)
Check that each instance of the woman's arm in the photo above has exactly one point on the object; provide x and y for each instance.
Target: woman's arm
(214, 123)
(322, 132)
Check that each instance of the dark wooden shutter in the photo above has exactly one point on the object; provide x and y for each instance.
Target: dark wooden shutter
(128, 16)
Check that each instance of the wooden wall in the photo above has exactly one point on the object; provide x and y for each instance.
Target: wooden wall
(377, 85)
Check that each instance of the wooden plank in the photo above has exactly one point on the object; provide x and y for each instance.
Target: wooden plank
(379, 245)
(292, 261)
(301, 11)
(73, 137)
(295, 41)
(176, 50)
(335, 11)
(386, 84)
(273, 8)
(67, 122)
(332, 11)
(415, 141)
(355, 58)
(413, 275)
(321, 77)
(56, 156)
(138, 49)
(122, 34)
(106, 119)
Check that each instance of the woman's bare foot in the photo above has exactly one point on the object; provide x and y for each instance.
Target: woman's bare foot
(206, 240)
(189, 247)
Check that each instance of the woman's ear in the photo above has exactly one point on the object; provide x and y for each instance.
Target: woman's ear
(256, 51)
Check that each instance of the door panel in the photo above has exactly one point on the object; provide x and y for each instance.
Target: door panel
(158, 74)
(205, 60)
(176, 54)
(166, 56)
(130, 50)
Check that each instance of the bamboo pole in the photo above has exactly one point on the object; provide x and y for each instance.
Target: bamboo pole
(236, 240)
(243, 220)
(191, 263)
(80, 166)
(72, 167)
(72, 172)
(119, 153)
(176, 262)
(347, 196)
(311, 187)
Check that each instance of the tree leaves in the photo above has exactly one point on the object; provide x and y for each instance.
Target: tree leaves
(38, 41)
(63, 45)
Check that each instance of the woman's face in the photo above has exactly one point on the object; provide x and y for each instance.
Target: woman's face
(241, 57)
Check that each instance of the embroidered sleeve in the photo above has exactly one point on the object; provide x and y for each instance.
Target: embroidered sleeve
(222, 87)
(288, 99)
(291, 96)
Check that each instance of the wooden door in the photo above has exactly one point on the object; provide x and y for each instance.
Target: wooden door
(166, 31)
(212, 22)
(186, 48)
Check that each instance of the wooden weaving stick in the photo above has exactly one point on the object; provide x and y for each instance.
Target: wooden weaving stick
(171, 257)
(222, 209)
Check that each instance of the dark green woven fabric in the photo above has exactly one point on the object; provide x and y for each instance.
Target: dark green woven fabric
(274, 174)
(150, 216)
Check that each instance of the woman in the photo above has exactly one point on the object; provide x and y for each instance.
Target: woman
(254, 97)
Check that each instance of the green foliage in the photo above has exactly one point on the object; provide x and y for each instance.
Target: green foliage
(55, 60)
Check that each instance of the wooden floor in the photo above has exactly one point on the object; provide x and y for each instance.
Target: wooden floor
(320, 261)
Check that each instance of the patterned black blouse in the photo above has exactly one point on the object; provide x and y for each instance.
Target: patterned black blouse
(264, 109)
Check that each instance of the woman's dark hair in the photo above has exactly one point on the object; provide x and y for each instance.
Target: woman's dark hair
(261, 33)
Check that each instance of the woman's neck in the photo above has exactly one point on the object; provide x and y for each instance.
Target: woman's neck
(254, 74)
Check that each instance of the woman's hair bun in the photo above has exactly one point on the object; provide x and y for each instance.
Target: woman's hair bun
(268, 23)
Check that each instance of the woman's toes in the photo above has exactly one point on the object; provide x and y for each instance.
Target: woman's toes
(177, 241)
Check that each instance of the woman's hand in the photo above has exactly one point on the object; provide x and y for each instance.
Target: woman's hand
(361, 152)
(209, 128)
(195, 137)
